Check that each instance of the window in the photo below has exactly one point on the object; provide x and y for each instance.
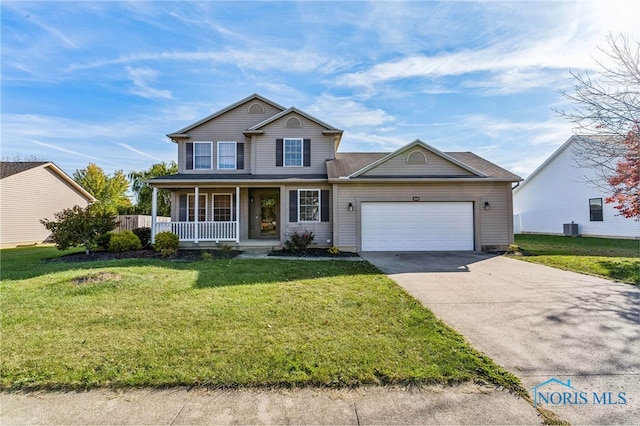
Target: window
(202, 155)
(202, 207)
(293, 152)
(227, 155)
(595, 210)
(309, 205)
(222, 208)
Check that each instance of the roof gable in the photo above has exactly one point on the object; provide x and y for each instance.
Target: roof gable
(419, 147)
(573, 139)
(182, 132)
(10, 168)
(294, 110)
(350, 163)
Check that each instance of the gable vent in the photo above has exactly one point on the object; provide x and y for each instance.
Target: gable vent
(416, 157)
(293, 123)
(256, 109)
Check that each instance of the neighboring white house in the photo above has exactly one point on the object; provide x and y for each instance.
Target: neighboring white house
(556, 194)
(30, 191)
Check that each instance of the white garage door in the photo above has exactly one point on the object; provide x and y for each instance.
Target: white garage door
(417, 226)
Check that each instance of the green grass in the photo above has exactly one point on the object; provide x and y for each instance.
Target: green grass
(616, 259)
(220, 323)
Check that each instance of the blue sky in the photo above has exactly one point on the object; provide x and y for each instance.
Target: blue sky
(104, 82)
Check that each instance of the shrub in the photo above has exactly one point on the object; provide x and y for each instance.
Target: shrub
(299, 241)
(144, 234)
(79, 226)
(166, 243)
(124, 241)
(103, 240)
(334, 251)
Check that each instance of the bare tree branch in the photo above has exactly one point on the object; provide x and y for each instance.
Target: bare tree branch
(606, 109)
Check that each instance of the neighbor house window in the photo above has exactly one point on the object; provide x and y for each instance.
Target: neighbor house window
(202, 207)
(202, 155)
(595, 209)
(293, 152)
(309, 205)
(222, 208)
(227, 155)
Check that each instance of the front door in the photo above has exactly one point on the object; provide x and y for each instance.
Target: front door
(265, 211)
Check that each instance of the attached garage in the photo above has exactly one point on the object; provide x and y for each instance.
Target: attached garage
(417, 226)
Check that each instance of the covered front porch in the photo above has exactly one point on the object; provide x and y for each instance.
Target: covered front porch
(206, 216)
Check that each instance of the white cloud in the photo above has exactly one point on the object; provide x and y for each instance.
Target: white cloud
(141, 77)
(137, 151)
(68, 151)
(344, 112)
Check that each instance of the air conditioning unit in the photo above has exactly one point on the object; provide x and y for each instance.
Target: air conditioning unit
(571, 229)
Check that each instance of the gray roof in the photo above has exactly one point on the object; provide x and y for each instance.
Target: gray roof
(8, 168)
(350, 162)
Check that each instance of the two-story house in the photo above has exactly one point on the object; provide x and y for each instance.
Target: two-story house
(256, 171)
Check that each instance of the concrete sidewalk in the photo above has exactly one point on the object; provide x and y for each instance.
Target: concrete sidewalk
(464, 404)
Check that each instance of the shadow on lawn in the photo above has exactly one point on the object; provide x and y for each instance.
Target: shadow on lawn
(210, 273)
(628, 272)
(265, 271)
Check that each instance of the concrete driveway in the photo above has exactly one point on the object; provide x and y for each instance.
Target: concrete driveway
(539, 323)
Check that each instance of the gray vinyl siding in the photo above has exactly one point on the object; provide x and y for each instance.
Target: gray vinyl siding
(225, 128)
(322, 231)
(492, 227)
(29, 196)
(322, 147)
(436, 166)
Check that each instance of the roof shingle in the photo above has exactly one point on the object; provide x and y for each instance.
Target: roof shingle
(8, 168)
(350, 162)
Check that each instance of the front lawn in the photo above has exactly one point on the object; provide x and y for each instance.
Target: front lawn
(150, 322)
(612, 258)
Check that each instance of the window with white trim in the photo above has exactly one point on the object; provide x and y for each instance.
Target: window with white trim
(227, 155)
(222, 208)
(293, 149)
(202, 155)
(202, 207)
(309, 205)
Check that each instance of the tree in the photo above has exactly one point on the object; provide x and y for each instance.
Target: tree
(79, 226)
(626, 181)
(110, 191)
(143, 191)
(607, 115)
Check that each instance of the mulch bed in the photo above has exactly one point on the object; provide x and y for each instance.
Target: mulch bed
(182, 255)
(313, 252)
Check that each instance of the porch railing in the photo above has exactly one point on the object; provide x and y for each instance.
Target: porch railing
(206, 231)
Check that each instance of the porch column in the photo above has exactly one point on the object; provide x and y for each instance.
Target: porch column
(196, 208)
(237, 214)
(154, 213)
